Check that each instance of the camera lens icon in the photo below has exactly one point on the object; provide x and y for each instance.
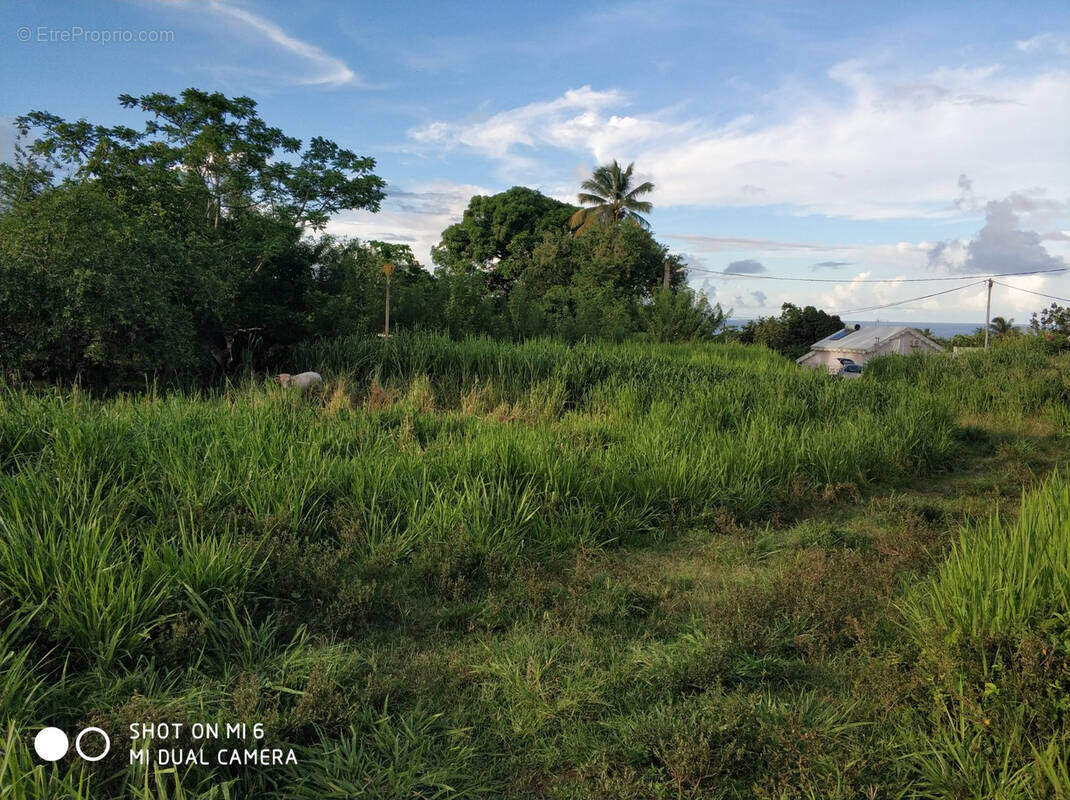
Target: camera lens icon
(52, 744)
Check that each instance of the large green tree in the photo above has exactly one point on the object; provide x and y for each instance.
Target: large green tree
(89, 286)
(610, 196)
(625, 257)
(498, 233)
(218, 199)
(591, 285)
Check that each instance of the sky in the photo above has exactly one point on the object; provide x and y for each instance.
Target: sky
(849, 142)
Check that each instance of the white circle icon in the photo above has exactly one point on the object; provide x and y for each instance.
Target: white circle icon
(51, 744)
(78, 744)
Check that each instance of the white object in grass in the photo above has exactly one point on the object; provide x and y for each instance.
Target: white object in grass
(306, 381)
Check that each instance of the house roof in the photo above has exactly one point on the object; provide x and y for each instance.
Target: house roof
(865, 339)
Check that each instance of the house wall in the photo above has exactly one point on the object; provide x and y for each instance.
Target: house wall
(903, 345)
(824, 358)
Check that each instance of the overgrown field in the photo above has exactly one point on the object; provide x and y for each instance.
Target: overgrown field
(472, 569)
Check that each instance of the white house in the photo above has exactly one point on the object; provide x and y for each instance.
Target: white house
(858, 345)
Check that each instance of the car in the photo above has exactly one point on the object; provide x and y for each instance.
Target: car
(851, 370)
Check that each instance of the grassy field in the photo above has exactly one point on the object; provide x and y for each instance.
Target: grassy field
(473, 569)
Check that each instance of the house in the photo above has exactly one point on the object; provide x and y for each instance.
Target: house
(857, 345)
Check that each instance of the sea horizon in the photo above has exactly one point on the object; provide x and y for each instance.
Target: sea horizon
(944, 330)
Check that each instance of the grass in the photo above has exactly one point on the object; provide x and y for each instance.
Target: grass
(471, 569)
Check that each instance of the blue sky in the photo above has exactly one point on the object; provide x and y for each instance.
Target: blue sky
(844, 141)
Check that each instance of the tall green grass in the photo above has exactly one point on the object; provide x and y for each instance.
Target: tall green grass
(1019, 378)
(993, 628)
(1004, 579)
(251, 553)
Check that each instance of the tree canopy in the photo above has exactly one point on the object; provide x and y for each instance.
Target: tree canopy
(165, 241)
(1053, 323)
(498, 233)
(608, 196)
(793, 331)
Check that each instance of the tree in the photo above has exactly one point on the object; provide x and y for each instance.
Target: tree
(792, 333)
(214, 193)
(1001, 326)
(88, 287)
(350, 287)
(1054, 319)
(498, 233)
(625, 258)
(1053, 323)
(590, 285)
(682, 315)
(609, 197)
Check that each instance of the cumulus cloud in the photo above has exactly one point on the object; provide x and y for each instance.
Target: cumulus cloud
(1000, 246)
(966, 201)
(578, 120)
(747, 266)
(884, 148)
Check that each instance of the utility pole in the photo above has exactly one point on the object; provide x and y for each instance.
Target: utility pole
(388, 269)
(668, 274)
(988, 312)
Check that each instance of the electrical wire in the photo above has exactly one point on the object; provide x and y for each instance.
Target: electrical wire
(1030, 291)
(908, 300)
(743, 276)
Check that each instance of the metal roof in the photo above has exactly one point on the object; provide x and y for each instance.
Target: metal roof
(864, 339)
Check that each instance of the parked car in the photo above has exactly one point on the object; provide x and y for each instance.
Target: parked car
(851, 370)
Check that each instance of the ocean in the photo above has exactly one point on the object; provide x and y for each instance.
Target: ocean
(945, 330)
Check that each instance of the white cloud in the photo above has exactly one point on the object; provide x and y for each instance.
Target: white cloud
(888, 152)
(291, 60)
(715, 244)
(1001, 245)
(416, 217)
(577, 120)
(1044, 41)
(889, 148)
(893, 263)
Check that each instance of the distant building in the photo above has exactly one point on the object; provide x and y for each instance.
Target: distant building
(858, 345)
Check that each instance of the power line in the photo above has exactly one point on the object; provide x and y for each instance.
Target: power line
(743, 276)
(908, 300)
(1030, 291)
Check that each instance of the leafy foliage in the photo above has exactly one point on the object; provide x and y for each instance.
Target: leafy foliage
(498, 233)
(610, 197)
(177, 240)
(1053, 323)
(793, 331)
(683, 315)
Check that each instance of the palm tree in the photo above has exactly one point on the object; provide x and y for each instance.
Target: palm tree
(610, 197)
(1001, 326)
